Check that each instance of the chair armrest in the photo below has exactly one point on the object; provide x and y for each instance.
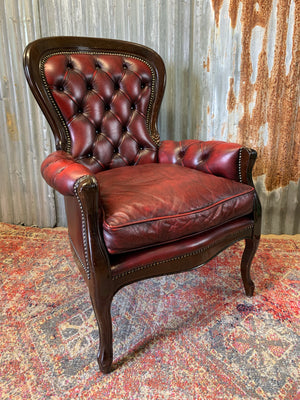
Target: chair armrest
(61, 172)
(229, 160)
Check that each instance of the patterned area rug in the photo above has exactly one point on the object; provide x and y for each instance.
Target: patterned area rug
(188, 336)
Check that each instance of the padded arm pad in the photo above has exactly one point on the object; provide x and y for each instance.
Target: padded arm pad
(214, 157)
(61, 171)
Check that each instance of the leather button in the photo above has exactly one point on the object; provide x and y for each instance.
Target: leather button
(120, 98)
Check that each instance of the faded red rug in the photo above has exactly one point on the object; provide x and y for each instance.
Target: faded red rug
(188, 336)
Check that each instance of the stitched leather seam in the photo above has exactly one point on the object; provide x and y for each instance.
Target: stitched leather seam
(177, 215)
(154, 135)
(193, 253)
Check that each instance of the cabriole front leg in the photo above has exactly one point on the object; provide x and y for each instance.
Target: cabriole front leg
(251, 245)
(99, 281)
(105, 353)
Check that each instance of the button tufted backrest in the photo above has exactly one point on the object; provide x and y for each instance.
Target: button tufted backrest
(105, 94)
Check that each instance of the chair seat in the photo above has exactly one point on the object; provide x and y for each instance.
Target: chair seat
(150, 204)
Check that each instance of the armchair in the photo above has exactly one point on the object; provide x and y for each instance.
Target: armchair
(136, 207)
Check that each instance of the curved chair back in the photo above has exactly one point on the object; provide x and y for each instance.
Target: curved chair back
(101, 98)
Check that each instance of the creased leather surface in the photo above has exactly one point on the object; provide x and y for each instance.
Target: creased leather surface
(122, 263)
(61, 171)
(159, 203)
(214, 157)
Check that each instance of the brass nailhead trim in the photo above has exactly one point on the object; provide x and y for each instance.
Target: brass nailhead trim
(236, 235)
(53, 102)
(240, 165)
(84, 234)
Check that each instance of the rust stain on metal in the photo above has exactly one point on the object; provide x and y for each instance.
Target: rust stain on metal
(12, 126)
(231, 99)
(217, 5)
(233, 11)
(276, 92)
(206, 64)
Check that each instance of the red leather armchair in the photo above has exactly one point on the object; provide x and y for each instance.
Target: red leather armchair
(136, 208)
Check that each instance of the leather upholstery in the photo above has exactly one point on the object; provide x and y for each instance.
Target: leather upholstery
(156, 203)
(214, 157)
(105, 101)
(127, 263)
(61, 171)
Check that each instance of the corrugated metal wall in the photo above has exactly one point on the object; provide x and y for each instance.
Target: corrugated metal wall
(233, 74)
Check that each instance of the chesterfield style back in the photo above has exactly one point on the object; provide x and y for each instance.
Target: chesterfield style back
(136, 207)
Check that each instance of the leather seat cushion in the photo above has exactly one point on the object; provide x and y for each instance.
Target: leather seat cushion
(150, 204)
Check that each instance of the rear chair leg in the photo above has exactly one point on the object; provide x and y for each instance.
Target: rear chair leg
(251, 246)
